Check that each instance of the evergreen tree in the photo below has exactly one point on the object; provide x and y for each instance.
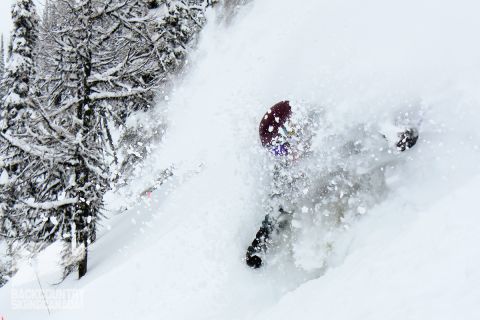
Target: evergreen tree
(76, 115)
(32, 191)
(20, 69)
(168, 33)
(18, 108)
(99, 69)
(179, 27)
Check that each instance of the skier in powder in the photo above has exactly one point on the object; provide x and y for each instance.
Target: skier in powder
(288, 142)
(283, 138)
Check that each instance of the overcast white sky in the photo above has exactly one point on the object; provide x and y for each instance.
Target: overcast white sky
(5, 19)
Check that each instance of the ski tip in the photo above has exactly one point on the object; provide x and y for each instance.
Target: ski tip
(408, 139)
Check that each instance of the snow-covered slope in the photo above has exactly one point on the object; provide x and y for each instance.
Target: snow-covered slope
(179, 253)
(402, 265)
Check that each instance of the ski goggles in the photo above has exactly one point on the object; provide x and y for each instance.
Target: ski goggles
(286, 130)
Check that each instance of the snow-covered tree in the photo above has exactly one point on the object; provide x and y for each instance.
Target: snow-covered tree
(33, 161)
(18, 108)
(77, 104)
(179, 26)
(168, 32)
(20, 68)
(2, 56)
(98, 61)
(139, 52)
(2, 67)
(104, 60)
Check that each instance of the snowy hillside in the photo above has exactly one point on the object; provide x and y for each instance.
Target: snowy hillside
(178, 252)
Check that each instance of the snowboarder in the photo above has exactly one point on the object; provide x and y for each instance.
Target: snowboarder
(287, 143)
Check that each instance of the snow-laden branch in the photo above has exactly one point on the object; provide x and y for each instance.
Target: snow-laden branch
(70, 103)
(108, 75)
(106, 95)
(37, 151)
(48, 205)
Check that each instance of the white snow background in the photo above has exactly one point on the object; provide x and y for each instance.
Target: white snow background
(414, 255)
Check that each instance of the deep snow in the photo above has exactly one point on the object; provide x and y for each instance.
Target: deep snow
(179, 253)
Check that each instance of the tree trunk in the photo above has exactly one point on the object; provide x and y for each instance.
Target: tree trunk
(86, 115)
(82, 265)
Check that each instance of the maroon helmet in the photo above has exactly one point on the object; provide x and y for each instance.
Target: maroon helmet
(273, 120)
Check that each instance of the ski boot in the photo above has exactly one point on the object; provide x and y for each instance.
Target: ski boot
(263, 237)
